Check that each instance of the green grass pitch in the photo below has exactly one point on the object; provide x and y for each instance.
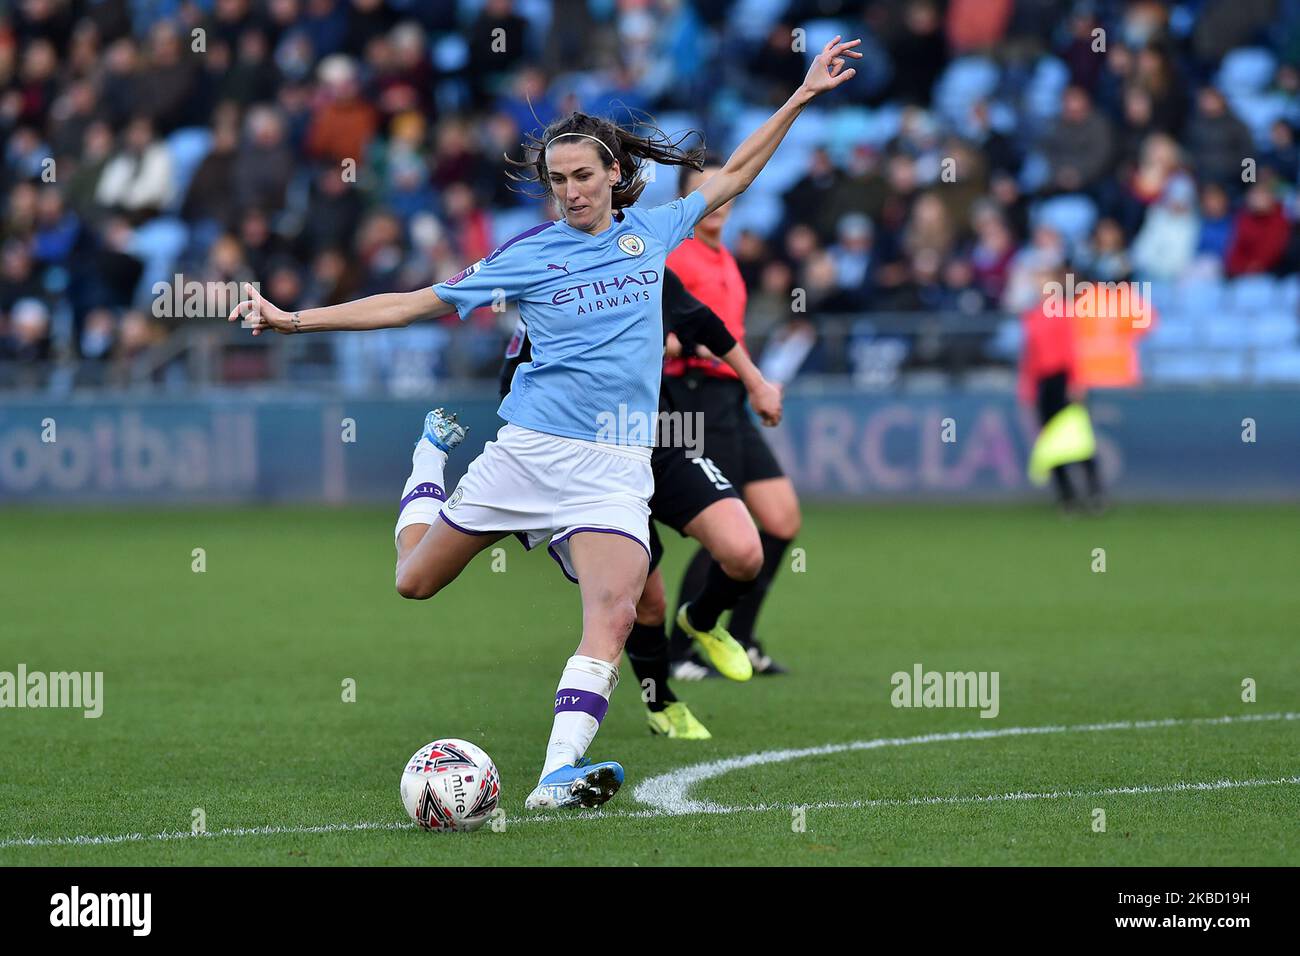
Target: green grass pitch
(223, 691)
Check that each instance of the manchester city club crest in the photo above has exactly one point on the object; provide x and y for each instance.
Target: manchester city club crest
(631, 244)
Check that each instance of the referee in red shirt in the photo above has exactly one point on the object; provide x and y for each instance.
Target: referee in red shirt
(700, 383)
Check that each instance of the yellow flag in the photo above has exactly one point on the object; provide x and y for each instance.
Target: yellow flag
(1066, 437)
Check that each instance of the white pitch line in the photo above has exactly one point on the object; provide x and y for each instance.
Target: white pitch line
(186, 835)
(667, 793)
(705, 771)
(649, 814)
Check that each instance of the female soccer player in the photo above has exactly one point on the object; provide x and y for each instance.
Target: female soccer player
(705, 385)
(694, 498)
(588, 288)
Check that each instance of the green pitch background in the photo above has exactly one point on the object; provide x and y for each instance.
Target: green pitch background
(223, 691)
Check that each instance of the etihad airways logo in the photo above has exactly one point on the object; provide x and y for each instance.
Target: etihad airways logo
(608, 293)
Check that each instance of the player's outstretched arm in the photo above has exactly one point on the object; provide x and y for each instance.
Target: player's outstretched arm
(389, 310)
(826, 73)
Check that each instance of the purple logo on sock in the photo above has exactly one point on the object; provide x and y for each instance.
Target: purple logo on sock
(425, 490)
(586, 701)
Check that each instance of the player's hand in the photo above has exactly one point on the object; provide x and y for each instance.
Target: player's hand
(672, 345)
(257, 313)
(827, 70)
(765, 398)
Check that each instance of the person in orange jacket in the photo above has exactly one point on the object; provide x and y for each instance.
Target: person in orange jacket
(1049, 375)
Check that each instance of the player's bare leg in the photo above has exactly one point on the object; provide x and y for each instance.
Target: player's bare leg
(611, 571)
(727, 532)
(431, 553)
(775, 506)
(429, 557)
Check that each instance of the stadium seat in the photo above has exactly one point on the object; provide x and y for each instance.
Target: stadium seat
(1201, 296)
(966, 81)
(1164, 296)
(1277, 366)
(753, 19)
(1072, 216)
(1275, 329)
(1245, 70)
(187, 146)
(1252, 293)
(1174, 331)
(848, 128)
(881, 126)
(512, 222)
(1288, 290)
(757, 212)
(1226, 330)
(1259, 111)
(1046, 84)
(450, 53)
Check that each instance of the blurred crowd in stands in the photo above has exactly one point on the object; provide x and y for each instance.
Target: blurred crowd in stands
(336, 148)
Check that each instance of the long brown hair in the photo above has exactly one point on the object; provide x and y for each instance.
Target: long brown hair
(625, 145)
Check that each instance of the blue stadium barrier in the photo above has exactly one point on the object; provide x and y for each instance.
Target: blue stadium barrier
(837, 445)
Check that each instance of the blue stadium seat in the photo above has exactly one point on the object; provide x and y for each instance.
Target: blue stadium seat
(1273, 330)
(967, 80)
(1224, 330)
(187, 146)
(753, 19)
(1288, 290)
(804, 137)
(511, 222)
(1174, 331)
(882, 125)
(1259, 111)
(758, 212)
(1245, 70)
(1252, 293)
(1164, 296)
(450, 53)
(1277, 365)
(847, 129)
(1201, 296)
(1048, 82)
(1072, 216)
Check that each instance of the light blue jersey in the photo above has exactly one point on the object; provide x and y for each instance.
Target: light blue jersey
(593, 311)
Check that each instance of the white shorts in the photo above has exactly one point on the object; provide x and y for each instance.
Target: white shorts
(539, 486)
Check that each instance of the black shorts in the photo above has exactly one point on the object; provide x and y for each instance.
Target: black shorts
(1053, 395)
(685, 486)
(731, 439)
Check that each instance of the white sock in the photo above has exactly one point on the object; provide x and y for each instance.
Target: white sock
(580, 704)
(425, 492)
